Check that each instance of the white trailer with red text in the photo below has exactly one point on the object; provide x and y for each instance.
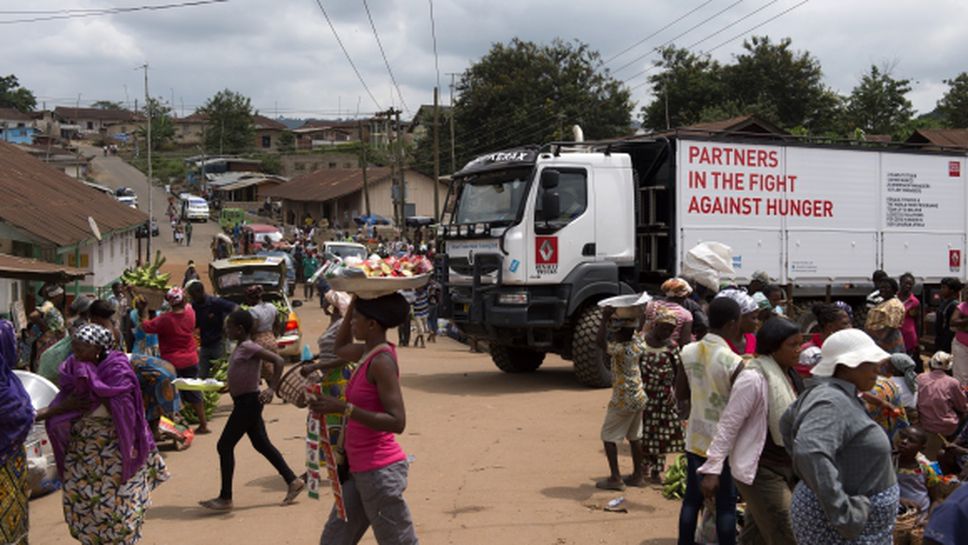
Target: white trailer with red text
(537, 236)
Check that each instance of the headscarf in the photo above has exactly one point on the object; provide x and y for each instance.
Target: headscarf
(112, 382)
(665, 315)
(676, 287)
(940, 360)
(175, 296)
(904, 364)
(846, 308)
(746, 303)
(762, 301)
(95, 335)
(16, 412)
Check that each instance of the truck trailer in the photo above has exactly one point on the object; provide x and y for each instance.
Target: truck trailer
(536, 236)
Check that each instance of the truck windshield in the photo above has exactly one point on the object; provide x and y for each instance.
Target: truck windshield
(492, 197)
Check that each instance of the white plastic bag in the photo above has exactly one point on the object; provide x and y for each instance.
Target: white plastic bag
(707, 262)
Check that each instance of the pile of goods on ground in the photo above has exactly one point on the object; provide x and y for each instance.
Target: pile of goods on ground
(375, 276)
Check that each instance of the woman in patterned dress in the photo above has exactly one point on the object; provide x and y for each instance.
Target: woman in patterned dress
(16, 419)
(662, 429)
(95, 420)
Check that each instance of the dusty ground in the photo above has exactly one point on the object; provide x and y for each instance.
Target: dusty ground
(498, 459)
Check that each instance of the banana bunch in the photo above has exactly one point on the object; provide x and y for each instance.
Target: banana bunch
(147, 276)
(674, 486)
(219, 371)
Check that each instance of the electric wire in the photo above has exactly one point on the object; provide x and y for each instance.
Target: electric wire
(347, 54)
(383, 53)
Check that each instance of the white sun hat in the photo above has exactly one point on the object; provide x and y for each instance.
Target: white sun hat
(850, 348)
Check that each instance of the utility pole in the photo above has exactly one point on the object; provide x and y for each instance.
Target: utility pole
(366, 187)
(403, 179)
(148, 148)
(436, 155)
(453, 154)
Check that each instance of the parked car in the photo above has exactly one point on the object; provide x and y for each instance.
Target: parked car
(129, 200)
(194, 208)
(142, 229)
(260, 231)
(343, 250)
(231, 277)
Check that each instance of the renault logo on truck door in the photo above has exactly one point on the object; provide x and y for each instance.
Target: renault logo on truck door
(546, 254)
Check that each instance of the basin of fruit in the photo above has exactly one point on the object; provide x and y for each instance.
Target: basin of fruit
(375, 277)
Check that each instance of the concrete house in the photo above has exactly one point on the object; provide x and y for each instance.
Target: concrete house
(48, 215)
(16, 127)
(337, 195)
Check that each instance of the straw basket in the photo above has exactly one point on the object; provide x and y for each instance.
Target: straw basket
(904, 528)
(292, 387)
(155, 297)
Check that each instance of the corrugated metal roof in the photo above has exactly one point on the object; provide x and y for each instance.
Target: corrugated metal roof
(95, 113)
(12, 266)
(949, 138)
(14, 114)
(326, 184)
(49, 204)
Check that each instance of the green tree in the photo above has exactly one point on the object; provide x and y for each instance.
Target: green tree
(287, 142)
(525, 93)
(162, 128)
(687, 85)
(878, 105)
(422, 158)
(230, 126)
(107, 105)
(772, 77)
(12, 95)
(953, 106)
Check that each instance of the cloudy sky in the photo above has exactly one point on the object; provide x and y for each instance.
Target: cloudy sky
(284, 56)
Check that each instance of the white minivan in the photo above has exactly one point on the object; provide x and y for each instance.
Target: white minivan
(193, 208)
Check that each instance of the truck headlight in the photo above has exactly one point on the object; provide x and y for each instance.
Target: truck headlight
(513, 298)
(464, 230)
(480, 228)
(441, 231)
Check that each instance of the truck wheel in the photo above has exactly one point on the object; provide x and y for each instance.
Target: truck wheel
(591, 365)
(516, 360)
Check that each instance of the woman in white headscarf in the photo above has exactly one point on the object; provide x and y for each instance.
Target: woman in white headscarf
(744, 343)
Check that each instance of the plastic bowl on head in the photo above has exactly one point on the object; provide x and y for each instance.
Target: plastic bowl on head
(41, 391)
(626, 307)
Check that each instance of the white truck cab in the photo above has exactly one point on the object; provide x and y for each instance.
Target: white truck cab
(535, 239)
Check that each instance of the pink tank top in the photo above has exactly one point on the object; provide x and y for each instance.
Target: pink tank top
(366, 448)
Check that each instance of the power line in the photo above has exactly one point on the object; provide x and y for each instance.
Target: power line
(433, 33)
(656, 33)
(718, 32)
(740, 35)
(690, 29)
(347, 54)
(54, 15)
(383, 53)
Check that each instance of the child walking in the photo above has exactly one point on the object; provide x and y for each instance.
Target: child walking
(661, 427)
(246, 419)
(624, 417)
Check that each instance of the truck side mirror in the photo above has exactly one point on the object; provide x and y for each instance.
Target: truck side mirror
(550, 204)
(549, 178)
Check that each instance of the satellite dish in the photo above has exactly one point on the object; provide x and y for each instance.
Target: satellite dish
(94, 228)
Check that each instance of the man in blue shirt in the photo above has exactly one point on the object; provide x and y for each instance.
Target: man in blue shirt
(210, 315)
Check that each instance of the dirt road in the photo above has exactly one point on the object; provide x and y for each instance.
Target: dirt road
(507, 459)
(498, 459)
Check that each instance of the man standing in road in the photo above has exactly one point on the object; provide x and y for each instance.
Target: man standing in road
(190, 274)
(210, 315)
(188, 233)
